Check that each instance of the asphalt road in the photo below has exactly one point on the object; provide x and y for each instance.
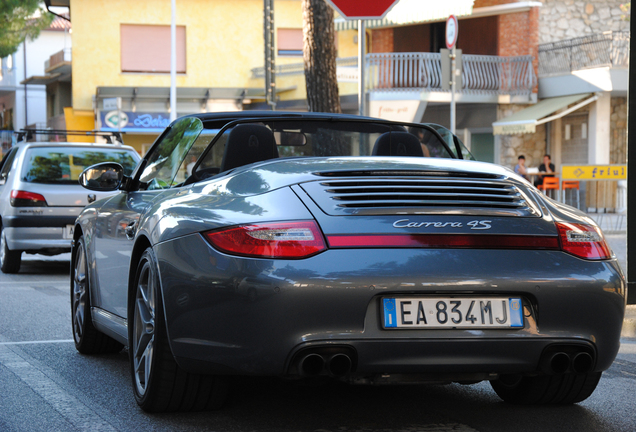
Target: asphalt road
(45, 385)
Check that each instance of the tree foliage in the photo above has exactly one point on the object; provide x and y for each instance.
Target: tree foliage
(319, 57)
(18, 20)
(627, 11)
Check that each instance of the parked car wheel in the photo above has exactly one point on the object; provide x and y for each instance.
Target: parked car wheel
(88, 340)
(159, 384)
(546, 389)
(10, 260)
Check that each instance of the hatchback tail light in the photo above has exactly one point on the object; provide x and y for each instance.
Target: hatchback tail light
(290, 240)
(27, 199)
(583, 241)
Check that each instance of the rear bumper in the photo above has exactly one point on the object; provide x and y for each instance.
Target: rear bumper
(430, 360)
(38, 221)
(34, 239)
(247, 316)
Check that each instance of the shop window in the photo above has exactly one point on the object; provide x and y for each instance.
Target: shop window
(289, 42)
(146, 48)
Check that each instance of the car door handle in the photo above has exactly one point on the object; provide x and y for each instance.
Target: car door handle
(130, 230)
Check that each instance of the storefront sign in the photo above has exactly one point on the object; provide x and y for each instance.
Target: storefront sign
(134, 121)
(514, 128)
(398, 110)
(594, 172)
(347, 74)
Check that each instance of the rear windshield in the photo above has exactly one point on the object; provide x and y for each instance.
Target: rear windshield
(63, 165)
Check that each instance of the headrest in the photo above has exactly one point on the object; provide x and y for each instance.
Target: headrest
(248, 143)
(397, 144)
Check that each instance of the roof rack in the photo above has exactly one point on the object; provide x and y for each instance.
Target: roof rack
(28, 134)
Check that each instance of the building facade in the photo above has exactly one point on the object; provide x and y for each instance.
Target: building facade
(117, 77)
(582, 79)
(22, 104)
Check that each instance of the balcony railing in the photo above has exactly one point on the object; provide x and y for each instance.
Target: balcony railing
(480, 74)
(609, 49)
(8, 77)
(299, 68)
(58, 58)
(416, 71)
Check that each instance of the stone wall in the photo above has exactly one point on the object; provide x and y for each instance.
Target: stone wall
(567, 19)
(532, 146)
(618, 131)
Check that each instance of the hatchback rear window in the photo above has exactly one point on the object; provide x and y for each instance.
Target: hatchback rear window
(63, 165)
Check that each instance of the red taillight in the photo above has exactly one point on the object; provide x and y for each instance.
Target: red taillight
(27, 199)
(454, 241)
(290, 240)
(583, 241)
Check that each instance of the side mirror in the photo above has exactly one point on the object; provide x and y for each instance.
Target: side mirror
(102, 177)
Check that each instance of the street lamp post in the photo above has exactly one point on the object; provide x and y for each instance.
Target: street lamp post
(173, 62)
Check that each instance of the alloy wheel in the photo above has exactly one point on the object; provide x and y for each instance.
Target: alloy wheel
(144, 327)
(79, 294)
(3, 247)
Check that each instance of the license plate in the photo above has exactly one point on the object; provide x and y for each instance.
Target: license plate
(67, 234)
(444, 312)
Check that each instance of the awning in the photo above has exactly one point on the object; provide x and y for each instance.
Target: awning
(413, 12)
(41, 79)
(526, 121)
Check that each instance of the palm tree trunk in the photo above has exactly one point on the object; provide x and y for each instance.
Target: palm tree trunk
(319, 56)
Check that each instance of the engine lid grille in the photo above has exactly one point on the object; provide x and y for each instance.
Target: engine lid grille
(421, 195)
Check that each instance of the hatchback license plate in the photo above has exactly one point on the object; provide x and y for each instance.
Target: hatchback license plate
(67, 234)
(443, 312)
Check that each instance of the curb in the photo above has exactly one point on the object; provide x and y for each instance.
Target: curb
(629, 322)
(629, 328)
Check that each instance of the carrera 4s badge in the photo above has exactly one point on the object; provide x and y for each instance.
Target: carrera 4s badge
(474, 225)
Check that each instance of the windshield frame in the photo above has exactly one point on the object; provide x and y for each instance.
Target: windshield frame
(210, 125)
(392, 126)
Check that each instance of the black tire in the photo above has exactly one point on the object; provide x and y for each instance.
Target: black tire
(546, 389)
(159, 384)
(10, 260)
(88, 340)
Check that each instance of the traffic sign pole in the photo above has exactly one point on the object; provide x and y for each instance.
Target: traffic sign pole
(452, 30)
(452, 107)
(362, 10)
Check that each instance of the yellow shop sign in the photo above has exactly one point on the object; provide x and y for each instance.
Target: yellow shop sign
(594, 172)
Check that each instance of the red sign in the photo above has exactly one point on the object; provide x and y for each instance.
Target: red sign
(362, 9)
(452, 30)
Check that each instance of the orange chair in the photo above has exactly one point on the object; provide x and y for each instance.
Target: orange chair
(572, 185)
(549, 183)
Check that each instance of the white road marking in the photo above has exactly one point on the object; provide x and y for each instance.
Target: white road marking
(37, 342)
(31, 282)
(450, 427)
(74, 411)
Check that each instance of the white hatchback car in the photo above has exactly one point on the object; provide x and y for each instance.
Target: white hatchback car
(40, 197)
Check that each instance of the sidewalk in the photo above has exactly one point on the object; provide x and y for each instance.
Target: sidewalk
(614, 226)
(617, 240)
(629, 324)
(611, 222)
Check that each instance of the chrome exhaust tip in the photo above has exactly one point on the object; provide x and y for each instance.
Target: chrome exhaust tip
(559, 363)
(339, 365)
(311, 365)
(582, 362)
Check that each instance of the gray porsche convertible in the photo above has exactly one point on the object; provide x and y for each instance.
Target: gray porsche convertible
(323, 246)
